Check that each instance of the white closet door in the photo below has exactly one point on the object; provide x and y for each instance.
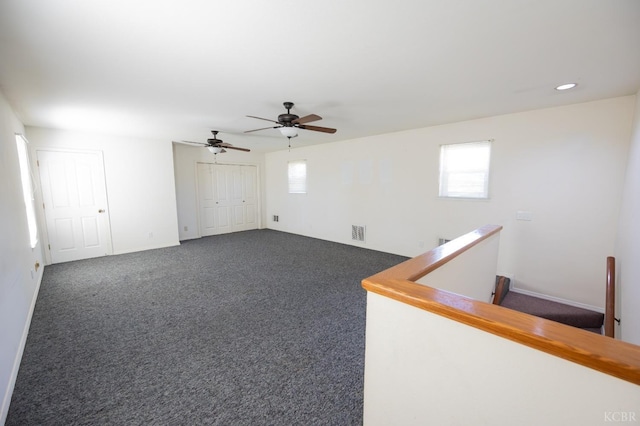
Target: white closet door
(236, 200)
(227, 198)
(250, 196)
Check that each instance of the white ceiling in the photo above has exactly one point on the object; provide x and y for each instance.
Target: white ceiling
(174, 69)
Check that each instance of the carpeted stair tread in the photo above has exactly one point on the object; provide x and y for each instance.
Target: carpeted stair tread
(554, 311)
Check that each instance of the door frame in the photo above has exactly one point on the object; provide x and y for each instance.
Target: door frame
(40, 211)
(197, 189)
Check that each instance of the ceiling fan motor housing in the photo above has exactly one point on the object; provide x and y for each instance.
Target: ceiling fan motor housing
(286, 119)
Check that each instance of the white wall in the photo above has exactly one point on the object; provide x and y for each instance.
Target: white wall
(565, 165)
(140, 185)
(471, 274)
(628, 243)
(185, 158)
(424, 369)
(19, 281)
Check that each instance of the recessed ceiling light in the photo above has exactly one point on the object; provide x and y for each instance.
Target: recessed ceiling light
(566, 86)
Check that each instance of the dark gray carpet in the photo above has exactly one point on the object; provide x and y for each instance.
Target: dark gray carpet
(253, 328)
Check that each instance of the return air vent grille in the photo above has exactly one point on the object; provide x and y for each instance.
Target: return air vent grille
(358, 232)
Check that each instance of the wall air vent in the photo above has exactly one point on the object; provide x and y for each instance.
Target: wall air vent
(442, 241)
(357, 232)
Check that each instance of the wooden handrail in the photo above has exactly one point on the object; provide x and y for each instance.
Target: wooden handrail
(610, 298)
(419, 266)
(610, 356)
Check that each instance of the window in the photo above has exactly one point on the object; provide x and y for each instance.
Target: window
(27, 188)
(464, 170)
(298, 177)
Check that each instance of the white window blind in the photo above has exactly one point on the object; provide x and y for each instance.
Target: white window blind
(27, 188)
(298, 177)
(464, 169)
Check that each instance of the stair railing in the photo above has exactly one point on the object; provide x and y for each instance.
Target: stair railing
(613, 357)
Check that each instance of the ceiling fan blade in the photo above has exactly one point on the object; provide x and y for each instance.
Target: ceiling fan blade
(318, 129)
(194, 143)
(238, 148)
(307, 119)
(264, 128)
(223, 144)
(265, 119)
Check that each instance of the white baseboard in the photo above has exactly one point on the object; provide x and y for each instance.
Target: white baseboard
(145, 248)
(557, 299)
(8, 392)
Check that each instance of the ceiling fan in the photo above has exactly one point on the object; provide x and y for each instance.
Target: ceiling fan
(217, 146)
(290, 123)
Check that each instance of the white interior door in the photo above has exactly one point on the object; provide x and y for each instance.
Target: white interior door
(227, 196)
(75, 204)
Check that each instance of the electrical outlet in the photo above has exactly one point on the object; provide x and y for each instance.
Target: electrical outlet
(150, 235)
(524, 215)
(186, 229)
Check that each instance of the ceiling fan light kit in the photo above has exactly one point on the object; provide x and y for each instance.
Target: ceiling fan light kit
(290, 132)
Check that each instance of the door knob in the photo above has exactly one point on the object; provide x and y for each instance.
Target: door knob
(101, 211)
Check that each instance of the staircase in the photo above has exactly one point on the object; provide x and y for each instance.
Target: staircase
(554, 311)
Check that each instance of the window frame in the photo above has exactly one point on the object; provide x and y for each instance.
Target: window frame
(297, 184)
(28, 187)
(447, 170)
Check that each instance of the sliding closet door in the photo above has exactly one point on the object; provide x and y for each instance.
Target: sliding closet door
(211, 192)
(250, 196)
(227, 196)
